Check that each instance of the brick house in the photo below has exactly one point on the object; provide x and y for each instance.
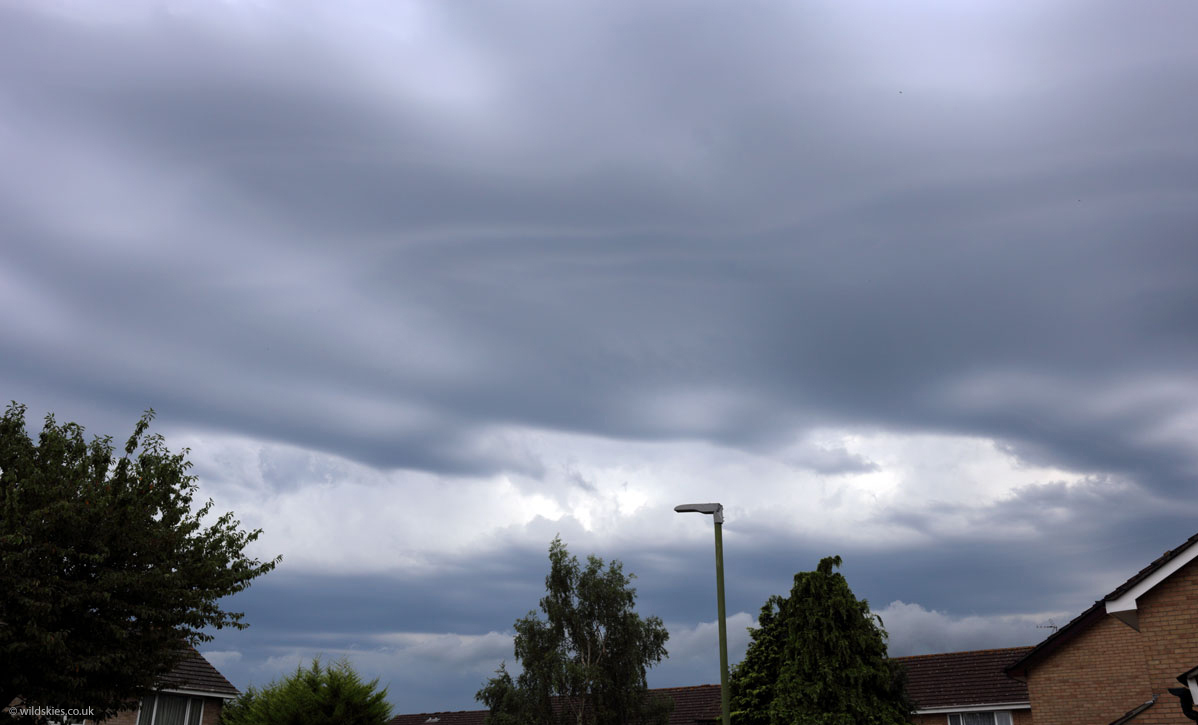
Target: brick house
(192, 694)
(1116, 662)
(967, 688)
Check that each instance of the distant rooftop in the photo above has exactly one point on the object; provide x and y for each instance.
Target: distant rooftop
(933, 681)
(699, 704)
(977, 677)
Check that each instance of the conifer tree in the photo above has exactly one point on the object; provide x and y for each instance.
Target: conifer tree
(318, 695)
(819, 657)
(752, 680)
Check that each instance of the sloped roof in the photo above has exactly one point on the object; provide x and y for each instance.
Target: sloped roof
(964, 678)
(458, 717)
(699, 703)
(196, 674)
(692, 704)
(1147, 571)
(1096, 612)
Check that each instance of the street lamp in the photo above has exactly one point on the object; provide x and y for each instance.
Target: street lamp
(717, 510)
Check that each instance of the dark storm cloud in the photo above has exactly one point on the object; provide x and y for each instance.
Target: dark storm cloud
(890, 246)
(753, 207)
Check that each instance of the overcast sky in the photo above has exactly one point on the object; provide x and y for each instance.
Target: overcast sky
(422, 284)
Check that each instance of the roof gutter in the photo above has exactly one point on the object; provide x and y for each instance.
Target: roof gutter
(989, 707)
(197, 693)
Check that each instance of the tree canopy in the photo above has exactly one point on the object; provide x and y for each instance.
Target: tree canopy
(107, 574)
(585, 663)
(318, 695)
(818, 657)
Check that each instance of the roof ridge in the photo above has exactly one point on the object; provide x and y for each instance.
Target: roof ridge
(1152, 566)
(1095, 611)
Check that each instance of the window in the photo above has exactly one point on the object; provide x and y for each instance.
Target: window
(163, 709)
(999, 717)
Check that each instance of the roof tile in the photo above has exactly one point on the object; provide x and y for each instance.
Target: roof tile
(964, 678)
(198, 674)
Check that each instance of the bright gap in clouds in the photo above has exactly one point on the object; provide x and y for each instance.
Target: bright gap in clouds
(407, 550)
(329, 514)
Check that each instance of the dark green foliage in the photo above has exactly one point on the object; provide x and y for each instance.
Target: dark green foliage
(818, 657)
(333, 695)
(106, 573)
(751, 683)
(585, 663)
(508, 704)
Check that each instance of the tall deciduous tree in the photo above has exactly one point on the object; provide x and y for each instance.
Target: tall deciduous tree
(585, 663)
(106, 572)
(818, 657)
(318, 695)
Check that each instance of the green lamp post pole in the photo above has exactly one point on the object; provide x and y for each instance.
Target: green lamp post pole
(717, 511)
(719, 589)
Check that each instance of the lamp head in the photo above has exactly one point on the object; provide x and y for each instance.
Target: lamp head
(703, 508)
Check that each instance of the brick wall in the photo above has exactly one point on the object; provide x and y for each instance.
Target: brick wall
(1169, 630)
(212, 707)
(1111, 668)
(1094, 678)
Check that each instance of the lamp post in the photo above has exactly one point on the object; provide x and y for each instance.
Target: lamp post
(717, 511)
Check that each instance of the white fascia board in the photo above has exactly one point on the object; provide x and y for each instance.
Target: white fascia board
(199, 693)
(1192, 682)
(1124, 607)
(975, 708)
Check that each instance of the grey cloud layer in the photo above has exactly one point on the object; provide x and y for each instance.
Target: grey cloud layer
(605, 221)
(391, 234)
(605, 226)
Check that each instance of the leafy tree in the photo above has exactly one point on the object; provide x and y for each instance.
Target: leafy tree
(106, 573)
(818, 657)
(585, 663)
(333, 695)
